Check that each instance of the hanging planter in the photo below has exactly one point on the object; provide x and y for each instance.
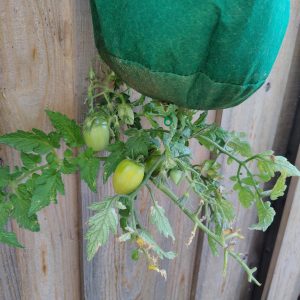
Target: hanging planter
(197, 54)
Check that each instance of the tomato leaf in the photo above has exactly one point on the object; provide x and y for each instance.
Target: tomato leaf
(224, 209)
(246, 196)
(159, 219)
(21, 206)
(154, 246)
(282, 165)
(238, 145)
(279, 187)
(100, 225)
(138, 143)
(89, 166)
(30, 160)
(266, 215)
(68, 129)
(4, 176)
(47, 185)
(35, 141)
(269, 164)
(118, 153)
(5, 212)
(10, 239)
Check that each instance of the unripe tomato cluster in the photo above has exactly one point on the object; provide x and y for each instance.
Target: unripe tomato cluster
(128, 174)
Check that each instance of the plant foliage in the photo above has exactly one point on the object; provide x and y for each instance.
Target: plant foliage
(27, 189)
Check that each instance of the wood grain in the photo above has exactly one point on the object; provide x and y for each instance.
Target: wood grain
(284, 270)
(37, 71)
(258, 116)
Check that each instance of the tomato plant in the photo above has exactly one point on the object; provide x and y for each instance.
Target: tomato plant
(147, 144)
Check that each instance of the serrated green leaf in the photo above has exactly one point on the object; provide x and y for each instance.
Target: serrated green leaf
(225, 209)
(154, 246)
(265, 153)
(67, 128)
(100, 226)
(30, 160)
(239, 146)
(10, 239)
(35, 141)
(249, 181)
(89, 166)
(269, 164)
(21, 213)
(69, 166)
(266, 170)
(51, 158)
(279, 187)
(138, 144)
(246, 196)
(266, 215)
(179, 148)
(282, 165)
(4, 176)
(5, 212)
(159, 219)
(54, 138)
(118, 153)
(46, 187)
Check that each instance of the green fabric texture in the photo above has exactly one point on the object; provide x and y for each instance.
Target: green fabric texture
(201, 54)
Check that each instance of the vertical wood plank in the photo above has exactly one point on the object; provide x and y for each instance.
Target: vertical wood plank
(258, 116)
(37, 72)
(286, 144)
(284, 272)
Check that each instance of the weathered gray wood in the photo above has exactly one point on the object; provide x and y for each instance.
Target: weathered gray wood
(258, 116)
(286, 143)
(37, 72)
(9, 275)
(284, 272)
(290, 102)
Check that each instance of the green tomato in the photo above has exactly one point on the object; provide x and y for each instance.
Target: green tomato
(176, 176)
(96, 132)
(128, 176)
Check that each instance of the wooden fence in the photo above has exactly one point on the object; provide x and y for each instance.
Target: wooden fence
(46, 48)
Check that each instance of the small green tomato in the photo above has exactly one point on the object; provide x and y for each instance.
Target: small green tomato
(96, 132)
(176, 175)
(128, 176)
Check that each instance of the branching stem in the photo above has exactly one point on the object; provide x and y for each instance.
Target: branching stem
(219, 241)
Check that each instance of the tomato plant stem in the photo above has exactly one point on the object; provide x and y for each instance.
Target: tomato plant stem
(196, 221)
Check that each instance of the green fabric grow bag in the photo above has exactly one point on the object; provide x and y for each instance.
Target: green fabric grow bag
(201, 54)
